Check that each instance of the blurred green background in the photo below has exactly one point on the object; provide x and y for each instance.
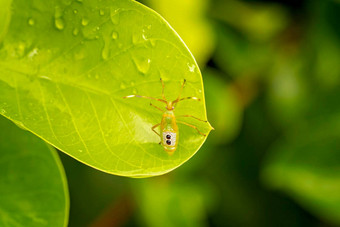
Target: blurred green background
(271, 71)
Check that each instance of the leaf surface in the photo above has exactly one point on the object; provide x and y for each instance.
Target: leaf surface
(33, 187)
(65, 66)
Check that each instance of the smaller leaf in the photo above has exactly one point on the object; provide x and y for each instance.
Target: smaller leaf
(33, 187)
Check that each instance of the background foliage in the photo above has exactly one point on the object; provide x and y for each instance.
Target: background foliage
(271, 74)
(272, 84)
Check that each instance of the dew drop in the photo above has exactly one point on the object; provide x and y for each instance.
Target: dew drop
(134, 91)
(149, 26)
(75, 11)
(144, 36)
(143, 65)
(20, 124)
(84, 21)
(33, 53)
(80, 151)
(200, 91)
(2, 111)
(191, 67)
(114, 35)
(21, 49)
(44, 77)
(75, 31)
(106, 48)
(59, 23)
(105, 53)
(114, 14)
(101, 12)
(97, 28)
(31, 22)
(132, 83)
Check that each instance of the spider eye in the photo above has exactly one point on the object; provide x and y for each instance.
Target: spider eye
(168, 137)
(168, 142)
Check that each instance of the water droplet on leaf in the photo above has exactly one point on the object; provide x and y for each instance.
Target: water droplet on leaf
(75, 31)
(44, 77)
(21, 49)
(59, 23)
(143, 65)
(153, 42)
(105, 53)
(31, 22)
(145, 37)
(191, 67)
(114, 35)
(84, 21)
(33, 53)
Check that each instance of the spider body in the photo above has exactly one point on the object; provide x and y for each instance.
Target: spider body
(169, 133)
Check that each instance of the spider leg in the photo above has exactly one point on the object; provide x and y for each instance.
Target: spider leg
(192, 126)
(156, 107)
(192, 117)
(153, 129)
(179, 100)
(144, 97)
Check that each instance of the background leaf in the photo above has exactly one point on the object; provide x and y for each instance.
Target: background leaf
(190, 20)
(33, 187)
(306, 167)
(64, 74)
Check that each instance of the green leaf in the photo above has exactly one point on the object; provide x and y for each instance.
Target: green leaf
(33, 187)
(65, 66)
(306, 166)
